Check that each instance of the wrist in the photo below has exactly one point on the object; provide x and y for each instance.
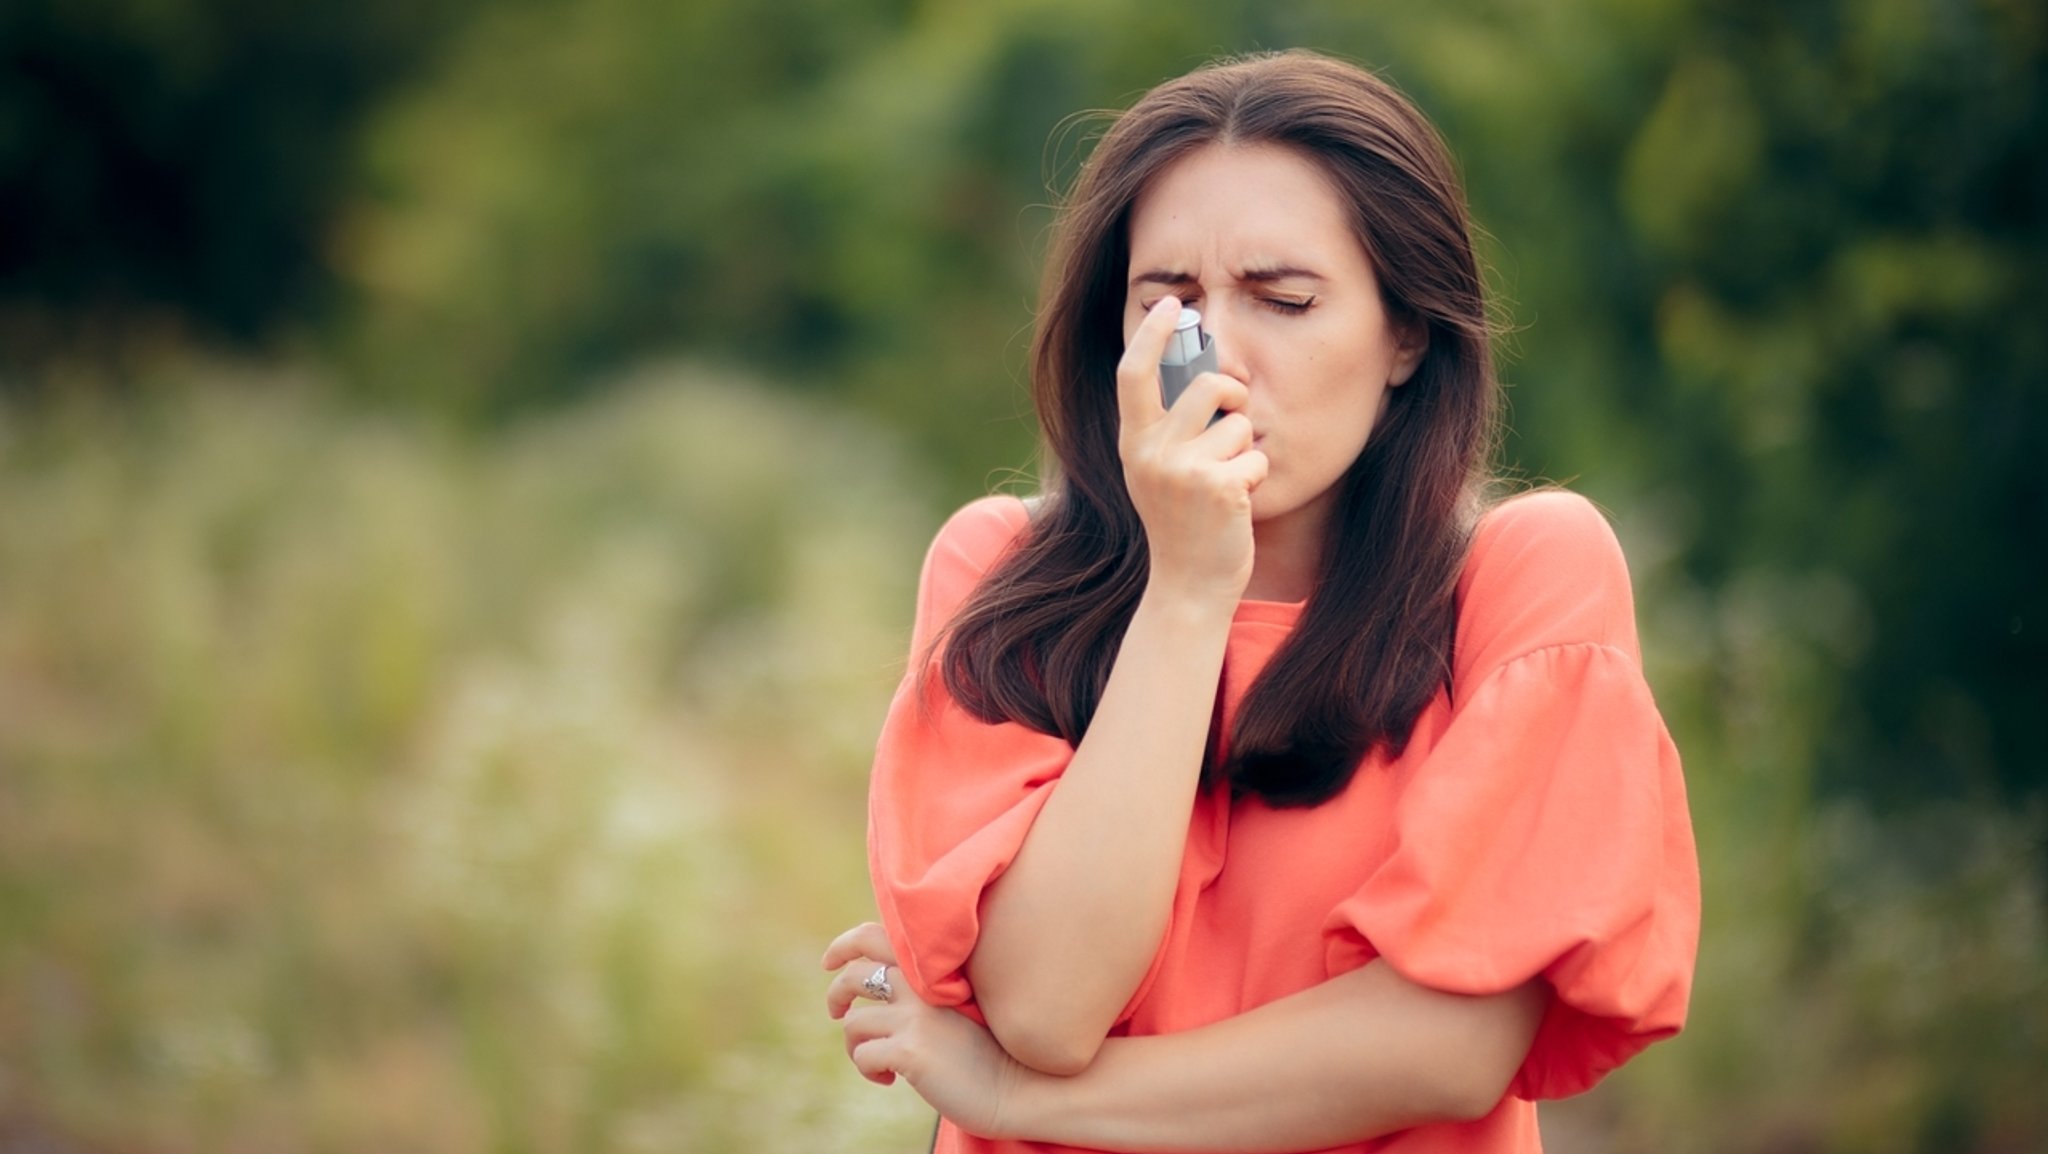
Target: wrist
(1188, 605)
(1030, 1099)
(1068, 1110)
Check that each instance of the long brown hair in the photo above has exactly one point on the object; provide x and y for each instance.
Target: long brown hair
(1035, 642)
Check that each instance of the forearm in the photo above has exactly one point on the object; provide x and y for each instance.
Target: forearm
(1070, 928)
(1361, 1055)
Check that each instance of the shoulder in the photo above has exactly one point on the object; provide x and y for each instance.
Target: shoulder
(975, 536)
(1545, 568)
(1556, 523)
(966, 547)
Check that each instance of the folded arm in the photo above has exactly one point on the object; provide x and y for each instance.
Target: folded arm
(1361, 1055)
(1364, 1054)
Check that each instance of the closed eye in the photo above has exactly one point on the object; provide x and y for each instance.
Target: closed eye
(1288, 306)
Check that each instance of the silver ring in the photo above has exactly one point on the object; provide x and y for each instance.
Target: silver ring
(877, 985)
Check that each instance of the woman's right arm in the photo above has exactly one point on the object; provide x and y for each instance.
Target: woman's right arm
(1071, 927)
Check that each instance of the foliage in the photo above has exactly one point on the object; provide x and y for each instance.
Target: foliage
(369, 790)
(173, 165)
(1837, 227)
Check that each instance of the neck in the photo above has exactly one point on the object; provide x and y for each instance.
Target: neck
(1287, 554)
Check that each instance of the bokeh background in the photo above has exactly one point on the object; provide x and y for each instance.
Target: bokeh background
(463, 467)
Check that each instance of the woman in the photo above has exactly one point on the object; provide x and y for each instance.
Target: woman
(1258, 787)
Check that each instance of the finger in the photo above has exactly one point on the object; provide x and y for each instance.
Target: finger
(1229, 435)
(866, 940)
(863, 1024)
(1206, 396)
(851, 983)
(866, 1029)
(875, 1059)
(845, 987)
(846, 946)
(1137, 373)
(1249, 467)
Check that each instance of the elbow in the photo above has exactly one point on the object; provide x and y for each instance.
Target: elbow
(1060, 1063)
(1471, 1099)
(1465, 1084)
(1480, 1067)
(1046, 1047)
(1046, 1028)
(1474, 1084)
(1435, 1094)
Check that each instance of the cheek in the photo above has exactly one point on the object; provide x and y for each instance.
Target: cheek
(1348, 402)
(1348, 422)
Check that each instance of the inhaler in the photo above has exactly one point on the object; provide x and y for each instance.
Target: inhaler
(1190, 352)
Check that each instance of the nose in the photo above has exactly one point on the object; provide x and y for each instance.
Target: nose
(1230, 360)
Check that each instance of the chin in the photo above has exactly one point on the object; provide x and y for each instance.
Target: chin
(1270, 504)
(1272, 508)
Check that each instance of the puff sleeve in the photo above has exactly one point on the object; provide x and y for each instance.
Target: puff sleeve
(951, 797)
(1546, 833)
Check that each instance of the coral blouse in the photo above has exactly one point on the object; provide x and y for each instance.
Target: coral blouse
(1535, 825)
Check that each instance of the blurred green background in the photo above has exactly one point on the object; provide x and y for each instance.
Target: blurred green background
(463, 468)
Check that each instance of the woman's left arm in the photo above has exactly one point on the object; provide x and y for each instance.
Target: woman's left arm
(1362, 1054)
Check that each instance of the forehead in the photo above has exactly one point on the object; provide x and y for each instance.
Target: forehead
(1230, 205)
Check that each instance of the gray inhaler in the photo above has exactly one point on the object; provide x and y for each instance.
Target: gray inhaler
(1190, 352)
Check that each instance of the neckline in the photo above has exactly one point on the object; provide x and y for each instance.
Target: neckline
(1269, 612)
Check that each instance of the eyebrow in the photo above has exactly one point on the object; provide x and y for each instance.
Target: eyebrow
(1264, 274)
(1260, 275)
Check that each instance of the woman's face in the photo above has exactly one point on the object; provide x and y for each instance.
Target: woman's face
(1258, 240)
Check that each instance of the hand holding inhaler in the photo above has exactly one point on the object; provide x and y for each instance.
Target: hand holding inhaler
(1190, 475)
